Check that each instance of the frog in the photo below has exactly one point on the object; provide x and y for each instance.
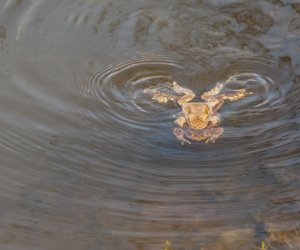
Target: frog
(197, 121)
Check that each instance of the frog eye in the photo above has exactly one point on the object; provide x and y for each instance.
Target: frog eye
(206, 109)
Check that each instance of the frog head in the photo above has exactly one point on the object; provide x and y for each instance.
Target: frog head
(196, 114)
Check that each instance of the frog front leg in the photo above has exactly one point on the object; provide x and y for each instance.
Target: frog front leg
(161, 97)
(188, 93)
(209, 95)
(214, 120)
(213, 97)
(164, 97)
(180, 121)
(237, 95)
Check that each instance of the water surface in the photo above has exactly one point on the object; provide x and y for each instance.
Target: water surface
(88, 161)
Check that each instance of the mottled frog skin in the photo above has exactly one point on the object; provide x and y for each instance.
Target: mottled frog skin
(197, 121)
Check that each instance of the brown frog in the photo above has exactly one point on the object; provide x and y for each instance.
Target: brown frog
(197, 121)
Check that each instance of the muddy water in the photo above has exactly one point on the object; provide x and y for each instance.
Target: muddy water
(88, 161)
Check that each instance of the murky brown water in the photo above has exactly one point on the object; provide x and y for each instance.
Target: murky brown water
(88, 161)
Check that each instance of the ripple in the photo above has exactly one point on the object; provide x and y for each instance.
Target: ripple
(116, 95)
(262, 88)
(262, 76)
(119, 90)
(266, 110)
(241, 162)
(100, 166)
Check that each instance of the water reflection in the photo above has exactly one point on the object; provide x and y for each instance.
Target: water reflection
(88, 161)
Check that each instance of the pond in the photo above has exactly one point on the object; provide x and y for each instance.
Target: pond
(89, 159)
